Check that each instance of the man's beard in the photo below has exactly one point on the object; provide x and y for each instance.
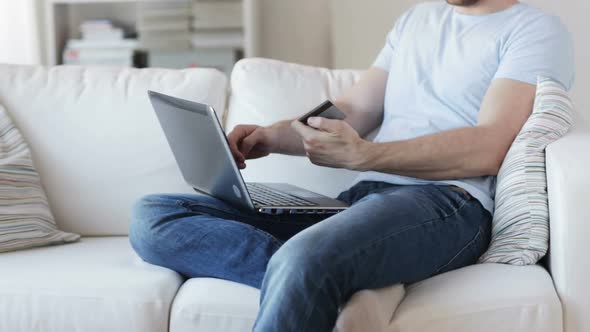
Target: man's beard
(462, 3)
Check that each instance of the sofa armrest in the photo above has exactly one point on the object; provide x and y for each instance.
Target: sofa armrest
(568, 175)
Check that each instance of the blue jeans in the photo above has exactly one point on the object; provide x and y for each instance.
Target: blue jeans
(307, 267)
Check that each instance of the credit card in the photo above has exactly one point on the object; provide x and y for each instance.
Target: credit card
(325, 110)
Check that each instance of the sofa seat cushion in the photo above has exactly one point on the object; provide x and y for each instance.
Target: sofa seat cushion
(483, 298)
(205, 304)
(487, 297)
(97, 284)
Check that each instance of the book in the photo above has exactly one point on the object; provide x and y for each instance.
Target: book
(102, 44)
(180, 24)
(110, 57)
(218, 39)
(165, 13)
(164, 41)
(164, 5)
(217, 14)
(97, 44)
(220, 59)
(112, 34)
(94, 25)
(164, 25)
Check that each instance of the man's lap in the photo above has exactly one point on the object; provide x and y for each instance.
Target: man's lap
(416, 231)
(421, 230)
(390, 235)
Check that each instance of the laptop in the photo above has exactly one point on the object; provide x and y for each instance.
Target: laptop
(202, 152)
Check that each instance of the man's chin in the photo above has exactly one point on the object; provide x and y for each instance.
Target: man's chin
(462, 3)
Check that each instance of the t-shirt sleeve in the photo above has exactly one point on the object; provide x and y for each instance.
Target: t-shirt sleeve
(383, 60)
(541, 48)
(385, 57)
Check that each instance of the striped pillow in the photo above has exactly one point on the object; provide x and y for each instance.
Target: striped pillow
(520, 234)
(25, 218)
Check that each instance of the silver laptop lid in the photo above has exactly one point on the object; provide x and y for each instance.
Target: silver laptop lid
(201, 149)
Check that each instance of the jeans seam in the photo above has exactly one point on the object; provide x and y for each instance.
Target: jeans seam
(189, 206)
(464, 194)
(469, 244)
(373, 243)
(407, 228)
(393, 234)
(315, 295)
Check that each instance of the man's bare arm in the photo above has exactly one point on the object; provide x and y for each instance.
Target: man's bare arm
(362, 103)
(461, 153)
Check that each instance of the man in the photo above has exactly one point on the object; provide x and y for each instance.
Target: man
(451, 89)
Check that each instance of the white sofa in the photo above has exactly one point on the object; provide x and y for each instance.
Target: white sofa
(99, 148)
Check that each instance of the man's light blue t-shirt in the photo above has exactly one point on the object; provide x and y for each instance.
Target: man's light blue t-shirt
(441, 64)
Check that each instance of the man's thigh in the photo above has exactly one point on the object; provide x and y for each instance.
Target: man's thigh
(402, 234)
(170, 207)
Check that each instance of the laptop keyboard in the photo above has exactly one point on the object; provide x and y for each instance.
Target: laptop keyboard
(266, 196)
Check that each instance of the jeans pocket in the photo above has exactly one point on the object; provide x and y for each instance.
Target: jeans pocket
(468, 255)
(462, 193)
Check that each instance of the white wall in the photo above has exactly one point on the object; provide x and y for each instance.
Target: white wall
(296, 31)
(574, 13)
(359, 30)
(19, 38)
(330, 33)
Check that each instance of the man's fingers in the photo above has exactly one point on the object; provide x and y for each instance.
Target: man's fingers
(323, 124)
(235, 140)
(236, 152)
(249, 143)
(310, 136)
(303, 130)
(237, 134)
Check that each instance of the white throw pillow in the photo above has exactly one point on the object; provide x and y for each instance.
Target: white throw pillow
(25, 218)
(520, 233)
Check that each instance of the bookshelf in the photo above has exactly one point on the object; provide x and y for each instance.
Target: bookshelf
(62, 19)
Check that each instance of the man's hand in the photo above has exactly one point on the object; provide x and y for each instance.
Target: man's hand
(332, 143)
(251, 142)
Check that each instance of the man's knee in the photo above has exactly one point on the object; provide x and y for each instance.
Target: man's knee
(302, 256)
(150, 207)
(146, 215)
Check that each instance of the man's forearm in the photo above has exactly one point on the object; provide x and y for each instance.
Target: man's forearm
(286, 139)
(455, 154)
(362, 103)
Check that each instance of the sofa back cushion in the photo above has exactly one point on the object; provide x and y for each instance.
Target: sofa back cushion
(95, 139)
(264, 92)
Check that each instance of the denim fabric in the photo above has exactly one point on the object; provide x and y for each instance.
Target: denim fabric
(307, 267)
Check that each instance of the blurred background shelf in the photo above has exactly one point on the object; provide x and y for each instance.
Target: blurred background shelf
(162, 33)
